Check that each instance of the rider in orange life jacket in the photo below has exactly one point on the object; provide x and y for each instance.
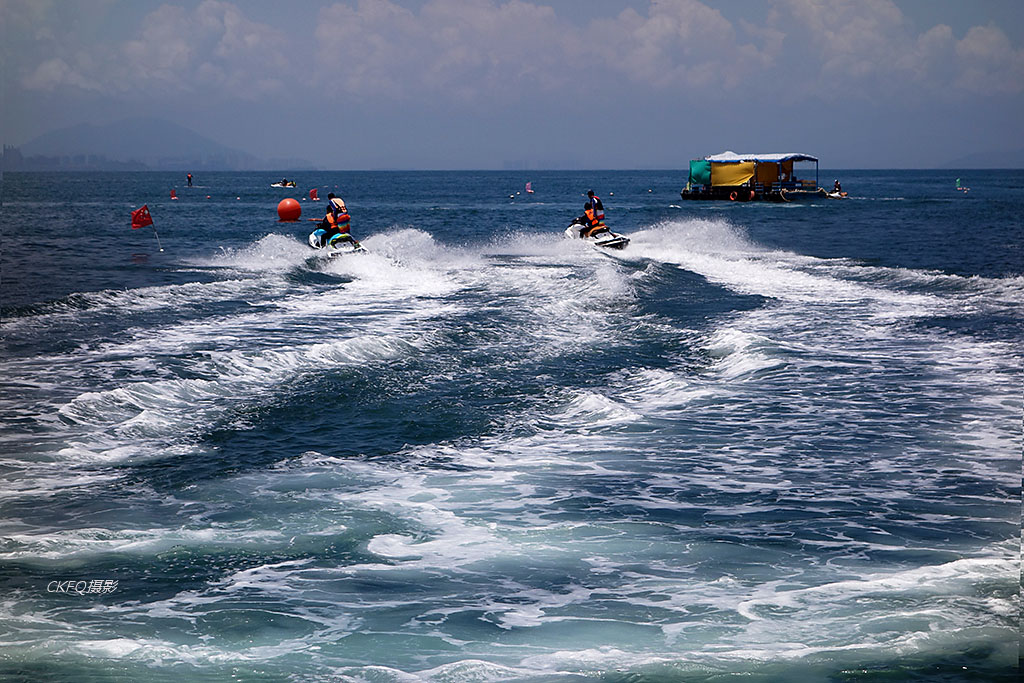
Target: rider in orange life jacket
(336, 222)
(593, 210)
(589, 223)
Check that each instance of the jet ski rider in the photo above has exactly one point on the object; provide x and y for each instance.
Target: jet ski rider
(593, 216)
(336, 222)
(594, 202)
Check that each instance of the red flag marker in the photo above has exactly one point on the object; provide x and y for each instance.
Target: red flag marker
(141, 218)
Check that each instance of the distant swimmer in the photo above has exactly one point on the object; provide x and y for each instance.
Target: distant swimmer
(189, 177)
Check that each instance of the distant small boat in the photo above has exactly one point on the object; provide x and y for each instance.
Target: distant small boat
(529, 188)
(284, 183)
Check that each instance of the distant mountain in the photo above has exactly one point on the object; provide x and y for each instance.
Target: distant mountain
(1011, 158)
(152, 144)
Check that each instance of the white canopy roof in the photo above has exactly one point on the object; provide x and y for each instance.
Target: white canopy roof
(733, 157)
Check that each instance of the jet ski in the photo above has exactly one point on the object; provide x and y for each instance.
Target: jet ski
(336, 246)
(290, 183)
(603, 238)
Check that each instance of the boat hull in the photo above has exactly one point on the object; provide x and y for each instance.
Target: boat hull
(745, 194)
(605, 239)
(336, 247)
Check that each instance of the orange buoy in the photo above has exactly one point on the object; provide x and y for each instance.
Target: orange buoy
(289, 210)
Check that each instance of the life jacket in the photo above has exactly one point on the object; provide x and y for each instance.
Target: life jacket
(340, 222)
(337, 215)
(337, 206)
(595, 223)
(598, 207)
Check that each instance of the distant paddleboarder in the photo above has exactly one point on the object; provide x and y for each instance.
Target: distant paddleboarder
(188, 176)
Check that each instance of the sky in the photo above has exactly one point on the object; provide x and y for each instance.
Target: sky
(492, 84)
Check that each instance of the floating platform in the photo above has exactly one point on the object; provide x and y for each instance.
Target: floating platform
(751, 177)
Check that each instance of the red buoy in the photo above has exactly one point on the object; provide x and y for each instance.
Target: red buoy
(289, 210)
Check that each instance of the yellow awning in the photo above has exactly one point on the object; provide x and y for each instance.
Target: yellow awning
(767, 173)
(731, 174)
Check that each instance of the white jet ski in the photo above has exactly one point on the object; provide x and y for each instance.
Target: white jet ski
(604, 238)
(336, 247)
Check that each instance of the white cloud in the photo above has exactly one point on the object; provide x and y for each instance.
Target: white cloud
(989, 63)
(372, 48)
(867, 48)
(55, 73)
(465, 49)
(484, 50)
(930, 57)
(212, 47)
(493, 52)
(679, 43)
(161, 56)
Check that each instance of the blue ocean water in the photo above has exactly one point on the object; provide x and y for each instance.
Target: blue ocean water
(762, 443)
